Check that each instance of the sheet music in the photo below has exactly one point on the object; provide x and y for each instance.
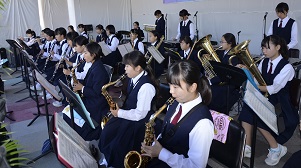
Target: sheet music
(62, 126)
(156, 54)
(261, 106)
(49, 87)
(73, 154)
(125, 48)
(105, 48)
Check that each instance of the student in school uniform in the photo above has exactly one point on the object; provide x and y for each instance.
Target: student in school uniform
(140, 32)
(31, 42)
(277, 73)
(125, 131)
(82, 31)
(101, 33)
(284, 26)
(112, 42)
(188, 128)
(136, 44)
(154, 41)
(43, 43)
(185, 27)
(225, 93)
(70, 29)
(160, 23)
(188, 53)
(93, 100)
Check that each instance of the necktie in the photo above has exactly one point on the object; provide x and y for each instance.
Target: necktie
(271, 67)
(280, 25)
(131, 86)
(185, 55)
(78, 58)
(177, 117)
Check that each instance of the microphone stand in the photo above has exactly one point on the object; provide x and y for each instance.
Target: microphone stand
(166, 26)
(264, 24)
(238, 37)
(196, 26)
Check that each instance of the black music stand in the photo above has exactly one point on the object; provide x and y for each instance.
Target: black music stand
(15, 45)
(76, 104)
(231, 75)
(45, 86)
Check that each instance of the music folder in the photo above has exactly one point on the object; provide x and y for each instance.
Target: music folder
(261, 106)
(72, 149)
(125, 48)
(78, 105)
(105, 48)
(24, 46)
(156, 54)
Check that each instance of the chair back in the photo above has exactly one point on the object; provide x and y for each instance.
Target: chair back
(109, 70)
(230, 153)
(295, 92)
(293, 53)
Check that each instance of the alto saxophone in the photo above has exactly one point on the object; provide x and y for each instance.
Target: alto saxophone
(134, 158)
(109, 99)
(74, 76)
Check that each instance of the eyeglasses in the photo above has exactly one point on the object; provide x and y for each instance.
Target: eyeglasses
(223, 41)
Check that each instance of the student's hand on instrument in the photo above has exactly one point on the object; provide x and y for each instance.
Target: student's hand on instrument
(174, 39)
(77, 86)
(52, 52)
(152, 151)
(66, 71)
(262, 88)
(115, 112)
(241, 66)
(21, 38)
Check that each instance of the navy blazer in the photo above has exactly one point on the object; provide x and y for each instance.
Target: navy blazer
(160, 28)
(225, 58)
(94, 101)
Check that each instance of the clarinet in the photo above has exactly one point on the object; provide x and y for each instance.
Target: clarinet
(39, 55)
(66, 76)
(49, 56)
(58, 65)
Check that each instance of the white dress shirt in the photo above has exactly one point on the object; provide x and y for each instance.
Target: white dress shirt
(84, 34)
(191, 28)
(45, 54)
(294, 32)
(82, 75)
(140, 45)
(186, 53)
(200, 139)
(286, 74)
(56, 56)
(51, 45)
(114, 43)
(30, 42)
(145, 96)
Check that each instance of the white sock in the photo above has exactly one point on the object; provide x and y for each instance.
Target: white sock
(276, 149)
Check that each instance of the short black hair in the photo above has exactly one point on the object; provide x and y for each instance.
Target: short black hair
(71, 35)
(183, 13)
(111, 29)
(71, 27)
(49, 32)
(81, 40)
(94, 48)
(230, 39)
(100, 27)
(137, 23)
(155, 33)
(81, 26)
(135, 31)
(29, 31)
(187, 40)
(282, 7)
(60, 31)
(157, 12)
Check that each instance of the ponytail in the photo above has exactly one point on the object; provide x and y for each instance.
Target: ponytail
(205, 90)
(276, 40)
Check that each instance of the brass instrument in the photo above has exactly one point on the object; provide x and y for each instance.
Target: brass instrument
(109, 99)
(133, 158)
(206, 45)
(207, 66)
(241, 51)
(157, 47)
(173, 52)
(74, 76)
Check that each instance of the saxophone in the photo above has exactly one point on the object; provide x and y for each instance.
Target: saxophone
(157, 47)
(109, 99)
(133, 159)
(74, 76)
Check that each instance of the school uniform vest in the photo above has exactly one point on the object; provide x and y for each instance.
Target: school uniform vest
(284, 32)
(136, 45)
(179, 141)
(60, 50)
(289, 113)
(80, 68)
(132, 95)
(185, 30)
(98, 38)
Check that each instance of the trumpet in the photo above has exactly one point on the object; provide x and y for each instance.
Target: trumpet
(109, 99)
(133, 158)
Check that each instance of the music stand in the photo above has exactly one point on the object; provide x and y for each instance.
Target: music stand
(76, 104)
(51, 89)
(14, 44)
(231, 75)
